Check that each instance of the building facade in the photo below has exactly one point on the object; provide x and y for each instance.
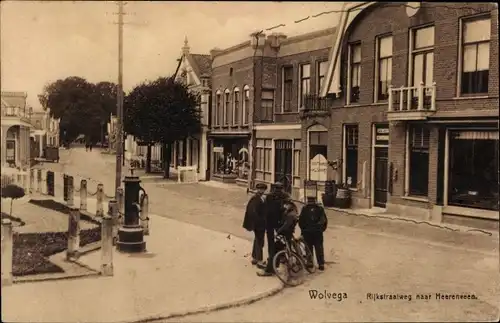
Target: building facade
(195, 71)
(45, 132)
(15, 131)
(414, 112)
(258, 89)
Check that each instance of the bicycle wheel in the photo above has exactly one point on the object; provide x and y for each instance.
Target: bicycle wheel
(289, 268)
(306, 255)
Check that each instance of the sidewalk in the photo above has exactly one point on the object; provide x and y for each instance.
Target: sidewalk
(186, 268)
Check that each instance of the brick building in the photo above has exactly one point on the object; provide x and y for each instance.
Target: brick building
(258, 89)
(414, 117)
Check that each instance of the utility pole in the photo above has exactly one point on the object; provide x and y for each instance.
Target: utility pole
(119, 97)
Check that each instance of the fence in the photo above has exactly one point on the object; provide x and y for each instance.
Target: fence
(72, 190)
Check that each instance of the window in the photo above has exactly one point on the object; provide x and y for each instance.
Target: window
(296, 163)
(263, 166)
(267, 103)
(287, 88)
(351, 136)
(475, 56)
(236, 106)
(423, 58)
(355, 72)
(218, 108)
(246, 104)
(322, 68)
(384, 59)
(305, 82)
(227, 109)
(318, 145)
(473, 169)
(419, 161)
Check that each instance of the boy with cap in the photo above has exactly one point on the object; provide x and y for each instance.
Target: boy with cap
(312, 223)
(255, 221)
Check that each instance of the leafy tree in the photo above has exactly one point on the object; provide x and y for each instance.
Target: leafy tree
(13, 192)
(161, 111)
(83, 107)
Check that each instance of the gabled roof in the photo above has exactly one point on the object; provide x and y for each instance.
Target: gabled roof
(201, 64)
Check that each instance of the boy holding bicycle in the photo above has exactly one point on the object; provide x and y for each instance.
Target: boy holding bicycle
(313, 223)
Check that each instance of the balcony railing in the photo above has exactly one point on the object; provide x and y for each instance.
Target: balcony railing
(313, 102)
(19, 112)
(412, 103)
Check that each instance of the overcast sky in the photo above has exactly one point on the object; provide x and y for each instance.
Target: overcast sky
(45, 41)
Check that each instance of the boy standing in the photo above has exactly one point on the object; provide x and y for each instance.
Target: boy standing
(255, 221)
(312, 223)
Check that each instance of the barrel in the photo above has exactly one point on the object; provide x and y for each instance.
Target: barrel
(330, 187)
(343, 199)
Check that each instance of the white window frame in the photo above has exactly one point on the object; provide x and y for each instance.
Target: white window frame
(246, 100)
(377, 64)
(236, 93)
(301, 78)
(463, 21)
(283, 89)
(218, 98)
(412, 52)
(319, 76)
(225, 122)
(349, 72)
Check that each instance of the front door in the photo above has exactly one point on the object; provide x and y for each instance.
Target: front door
(283, 163)
(381, 176)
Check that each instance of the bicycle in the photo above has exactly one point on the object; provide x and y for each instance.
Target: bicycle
(288, 265)
(305, 252)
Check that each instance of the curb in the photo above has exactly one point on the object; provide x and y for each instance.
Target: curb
(66, 277)
(213, 308)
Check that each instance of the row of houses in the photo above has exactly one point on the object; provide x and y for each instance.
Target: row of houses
(403, 99)
(24, 132)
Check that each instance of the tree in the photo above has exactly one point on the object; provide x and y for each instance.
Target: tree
(162, 111)
(83, 107)
(13, 192)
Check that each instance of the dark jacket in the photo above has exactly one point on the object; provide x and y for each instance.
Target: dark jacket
(313, 218)
(288, 222)
(254, 215)
(274, 209)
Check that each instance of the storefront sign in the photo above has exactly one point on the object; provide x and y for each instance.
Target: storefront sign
(382, 135)
(318, 167)
(218, 149)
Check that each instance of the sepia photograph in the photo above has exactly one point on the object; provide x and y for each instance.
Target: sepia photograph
(239, 161)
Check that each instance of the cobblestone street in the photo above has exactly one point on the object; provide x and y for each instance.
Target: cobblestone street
(359, 262)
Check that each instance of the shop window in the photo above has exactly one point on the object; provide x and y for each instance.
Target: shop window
(418, 157)
(351, 155)
(263, 151)
(473, 169)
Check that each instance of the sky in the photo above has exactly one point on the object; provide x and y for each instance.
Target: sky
(43, 41)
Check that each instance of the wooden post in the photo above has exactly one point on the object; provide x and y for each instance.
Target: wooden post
(120, 200)
(73, 233)
(99, 210)
(7, 252)
(83, 195)
(107, 245)
(39, 186)
(113, 213)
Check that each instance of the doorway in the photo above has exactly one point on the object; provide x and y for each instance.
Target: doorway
(381, 176)
(283, 163)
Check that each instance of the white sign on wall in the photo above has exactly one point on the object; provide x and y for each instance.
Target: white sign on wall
(318, 167)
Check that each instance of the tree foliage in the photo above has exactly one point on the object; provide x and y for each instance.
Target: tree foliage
(161, 111)
(82, 106)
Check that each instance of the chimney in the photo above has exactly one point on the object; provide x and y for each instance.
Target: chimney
(258, 39)
(214, 52)
(276, 39)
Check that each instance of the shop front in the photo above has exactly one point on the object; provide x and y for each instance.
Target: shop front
(230, 159)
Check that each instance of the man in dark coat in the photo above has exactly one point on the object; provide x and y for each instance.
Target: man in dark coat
(273, 206)
(255, 221)
(313, 222)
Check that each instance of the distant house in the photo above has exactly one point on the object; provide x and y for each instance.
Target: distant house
(15, 130)
(45, 131)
